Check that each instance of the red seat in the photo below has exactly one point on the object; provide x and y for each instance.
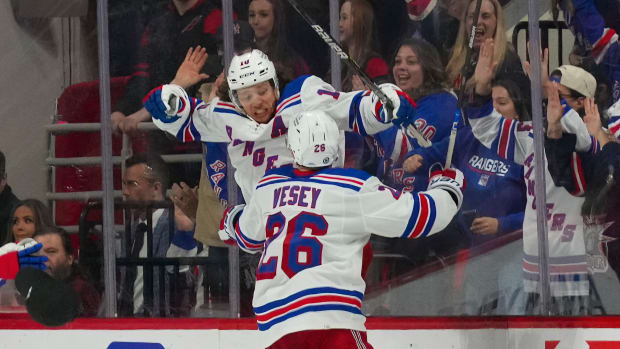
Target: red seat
(79, 103)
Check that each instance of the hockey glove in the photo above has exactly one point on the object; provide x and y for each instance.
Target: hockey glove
(404, 107)
(14, 256)
(450, 180)
(227, 224)
(165, 102)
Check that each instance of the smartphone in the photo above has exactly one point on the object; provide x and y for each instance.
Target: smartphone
(469, 216)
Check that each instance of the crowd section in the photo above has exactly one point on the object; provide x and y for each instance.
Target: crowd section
(421, 48)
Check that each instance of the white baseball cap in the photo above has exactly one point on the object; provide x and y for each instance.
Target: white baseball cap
(577, 79)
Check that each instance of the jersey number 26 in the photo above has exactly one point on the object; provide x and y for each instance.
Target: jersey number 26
(299, 252)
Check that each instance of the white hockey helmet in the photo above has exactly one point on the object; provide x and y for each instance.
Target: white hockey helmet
(313, 137)
(249, 69)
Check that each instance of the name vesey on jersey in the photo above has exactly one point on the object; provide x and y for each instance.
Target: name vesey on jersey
(488, 165)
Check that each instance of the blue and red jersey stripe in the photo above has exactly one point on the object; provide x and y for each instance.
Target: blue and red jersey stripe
(422, 216)
(309, 300)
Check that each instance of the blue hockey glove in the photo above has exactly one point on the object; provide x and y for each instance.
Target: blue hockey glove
(26, 259)
(165, 102)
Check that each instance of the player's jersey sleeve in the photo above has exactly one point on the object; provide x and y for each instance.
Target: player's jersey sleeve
(390, 213)
(190, 119)
(352, 111)
(510, 139)
(216, 170)
(250, 231)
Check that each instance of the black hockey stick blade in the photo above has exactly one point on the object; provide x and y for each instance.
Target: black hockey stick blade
(49, 302)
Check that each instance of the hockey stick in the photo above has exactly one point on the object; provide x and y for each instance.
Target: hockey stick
(329, 40)
(459, 102)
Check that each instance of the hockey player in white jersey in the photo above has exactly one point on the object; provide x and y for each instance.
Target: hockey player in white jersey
(513, 140)
(311, 222)
(255, 123)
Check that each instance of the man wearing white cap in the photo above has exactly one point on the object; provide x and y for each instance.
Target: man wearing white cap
(574, 85)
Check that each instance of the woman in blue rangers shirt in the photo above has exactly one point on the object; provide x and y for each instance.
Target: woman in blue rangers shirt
(417, 70)
(495, 194)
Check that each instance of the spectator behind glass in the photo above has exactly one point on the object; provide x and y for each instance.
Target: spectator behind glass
(359, 39)
(510, 100)
(28, 216)
(436, 22)
(8, 200)
(513, 141)
(577, 87)
(596, 44)
(598, 174)
(269, 23)
(493, 205)
(62, 266)
(490, 25)
(495, 194)
(417, 70)
(358, 36)
(164, 44)
(146, 179)
(595, 38)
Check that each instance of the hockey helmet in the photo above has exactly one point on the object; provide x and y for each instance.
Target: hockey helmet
(313, 137)
(249, 69)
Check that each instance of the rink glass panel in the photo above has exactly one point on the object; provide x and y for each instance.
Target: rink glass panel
(454, 272)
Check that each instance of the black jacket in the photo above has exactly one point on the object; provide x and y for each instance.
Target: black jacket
(163, 47)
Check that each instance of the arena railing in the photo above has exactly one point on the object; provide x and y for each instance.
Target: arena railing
(555, 43)
(92, 260)
(126, 152)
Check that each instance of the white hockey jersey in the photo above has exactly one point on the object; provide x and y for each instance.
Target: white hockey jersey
(311, 229)
(256, 148)
(514, 141)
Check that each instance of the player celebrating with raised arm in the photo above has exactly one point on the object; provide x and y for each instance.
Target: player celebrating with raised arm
(311, 223)
(253, 125)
